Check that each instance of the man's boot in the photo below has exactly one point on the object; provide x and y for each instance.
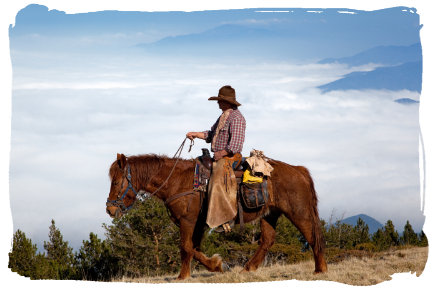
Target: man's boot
(226, 227)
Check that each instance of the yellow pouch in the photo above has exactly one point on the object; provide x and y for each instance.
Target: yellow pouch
(248, 177)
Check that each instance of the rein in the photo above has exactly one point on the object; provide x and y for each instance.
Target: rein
(180, 148)
(118, 202)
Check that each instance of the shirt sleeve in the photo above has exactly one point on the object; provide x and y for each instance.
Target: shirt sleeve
(209, 134)
(237, 130)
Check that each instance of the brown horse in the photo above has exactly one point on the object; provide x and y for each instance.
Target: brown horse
(291, 190)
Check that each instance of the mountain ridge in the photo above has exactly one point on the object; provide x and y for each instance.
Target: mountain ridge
(407, 76)
(221, 40)
(226, 30)
(406, 101)
(372, 223)
(386, 55)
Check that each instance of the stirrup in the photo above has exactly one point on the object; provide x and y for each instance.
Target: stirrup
(226, 227)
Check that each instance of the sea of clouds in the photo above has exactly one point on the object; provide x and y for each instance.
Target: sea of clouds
(71, 114)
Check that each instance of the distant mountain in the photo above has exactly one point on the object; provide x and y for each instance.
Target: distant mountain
(386, 55)
(405, 76)
(373, 224)
(406, 101)
(227, 39)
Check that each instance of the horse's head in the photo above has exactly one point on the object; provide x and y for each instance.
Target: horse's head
(122, 194)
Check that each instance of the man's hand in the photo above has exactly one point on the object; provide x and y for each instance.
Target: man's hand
(192, 135)
(220, 154)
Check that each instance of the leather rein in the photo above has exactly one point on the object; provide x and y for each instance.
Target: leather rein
(118, 202)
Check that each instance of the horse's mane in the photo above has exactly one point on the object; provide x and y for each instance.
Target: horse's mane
(144, 166)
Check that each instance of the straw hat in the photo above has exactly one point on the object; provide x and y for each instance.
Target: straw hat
(226, 93)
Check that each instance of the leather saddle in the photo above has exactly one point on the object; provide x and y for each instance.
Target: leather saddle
(253, 195)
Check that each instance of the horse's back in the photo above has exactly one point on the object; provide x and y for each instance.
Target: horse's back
(286, 173)
(292, 186)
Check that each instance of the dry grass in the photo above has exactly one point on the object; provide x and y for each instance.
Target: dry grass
(369, 270)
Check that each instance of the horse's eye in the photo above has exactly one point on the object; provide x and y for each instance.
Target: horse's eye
(115, 183)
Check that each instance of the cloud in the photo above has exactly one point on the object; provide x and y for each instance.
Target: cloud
(34, 35)
(90, 41)
(276, 21)
(258, 22)
(423, 24)
(71, 118)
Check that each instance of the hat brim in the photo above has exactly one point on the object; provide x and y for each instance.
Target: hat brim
(233, 102)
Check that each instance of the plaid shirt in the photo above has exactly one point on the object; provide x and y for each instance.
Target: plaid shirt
(231, 136)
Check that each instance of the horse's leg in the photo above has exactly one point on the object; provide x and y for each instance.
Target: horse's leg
(268, 234)
(213, 264)
(310, 227)
(186, 229)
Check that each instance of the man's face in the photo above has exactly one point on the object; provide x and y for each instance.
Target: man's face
(224, 105)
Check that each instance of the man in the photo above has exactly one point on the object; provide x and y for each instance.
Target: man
(227, 138)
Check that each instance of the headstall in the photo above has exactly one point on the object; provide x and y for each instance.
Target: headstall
(118, 202)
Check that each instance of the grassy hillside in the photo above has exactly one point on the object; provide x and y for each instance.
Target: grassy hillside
(350, 267)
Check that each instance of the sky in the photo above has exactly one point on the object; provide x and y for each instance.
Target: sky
(80, 95)
(339, 34)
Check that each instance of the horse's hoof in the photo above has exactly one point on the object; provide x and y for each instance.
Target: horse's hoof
(225, 267)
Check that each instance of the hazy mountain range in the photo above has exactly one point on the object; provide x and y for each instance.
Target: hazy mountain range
(406, 67)
(226, 40)
(386, 55)
(405, 76)
(407, 101)
(373, 224)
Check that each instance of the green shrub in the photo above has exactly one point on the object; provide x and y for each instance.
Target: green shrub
(22, 266)
(427, 235)
(331, 252)
(366, 247)
(94, 260)
(144, 242)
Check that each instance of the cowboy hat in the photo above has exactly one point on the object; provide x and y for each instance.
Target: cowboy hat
(226, 93)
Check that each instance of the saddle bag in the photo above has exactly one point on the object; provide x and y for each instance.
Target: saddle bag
(254, 194)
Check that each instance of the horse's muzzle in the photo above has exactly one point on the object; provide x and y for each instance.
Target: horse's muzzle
(113, 211)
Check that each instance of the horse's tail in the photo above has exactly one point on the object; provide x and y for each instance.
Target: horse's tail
(319, 246)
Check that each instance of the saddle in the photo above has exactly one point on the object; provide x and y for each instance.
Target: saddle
(252, 195)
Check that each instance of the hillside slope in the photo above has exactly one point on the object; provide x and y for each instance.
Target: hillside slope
(402, 268)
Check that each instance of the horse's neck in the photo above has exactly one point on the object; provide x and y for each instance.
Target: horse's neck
(156, 178)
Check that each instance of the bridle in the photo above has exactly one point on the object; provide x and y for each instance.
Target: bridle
(118, 202)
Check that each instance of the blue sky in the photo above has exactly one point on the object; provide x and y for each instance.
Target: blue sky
(341, 34)
(109, 12)
(70, 103)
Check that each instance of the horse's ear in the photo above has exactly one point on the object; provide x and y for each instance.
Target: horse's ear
(122, 160)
